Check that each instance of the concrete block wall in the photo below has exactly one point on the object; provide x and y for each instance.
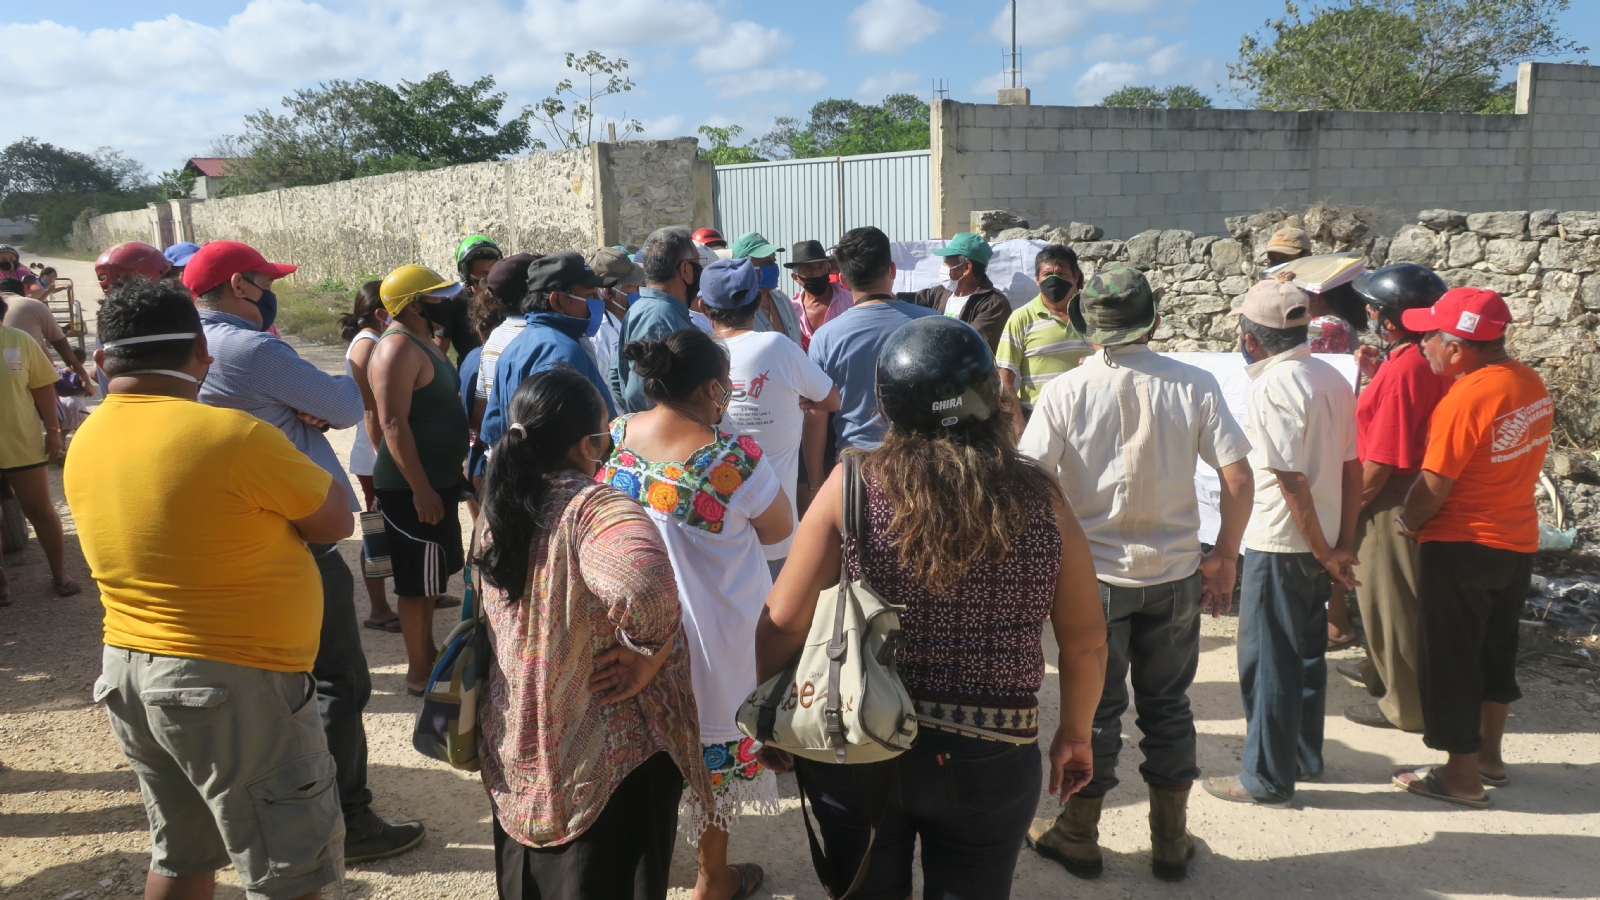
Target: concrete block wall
(1129, 170)
(99, 232)
(542, 203)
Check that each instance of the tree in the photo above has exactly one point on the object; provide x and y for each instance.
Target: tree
(1404, 55)
(346, 129)
(569, 114)
(1178, 96)
(721, 152)
(176, 184)
(53, 185)
(847, 128)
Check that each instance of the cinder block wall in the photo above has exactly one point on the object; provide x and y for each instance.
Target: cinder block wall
(1130, 170)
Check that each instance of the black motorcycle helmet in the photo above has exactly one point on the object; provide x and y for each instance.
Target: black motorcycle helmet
(1402, 286)
(934, 373)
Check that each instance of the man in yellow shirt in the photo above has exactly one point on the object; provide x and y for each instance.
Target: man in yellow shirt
(194, 521)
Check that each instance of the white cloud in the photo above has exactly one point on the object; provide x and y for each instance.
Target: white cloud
(892, 26)
(1053, 21)
(762, 81)
(1117, 48)
(742, 45)
(1165, 66)
(665, 127)
(1051, 59)
(878, 85)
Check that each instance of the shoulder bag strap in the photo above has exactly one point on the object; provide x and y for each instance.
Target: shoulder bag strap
(836, 646)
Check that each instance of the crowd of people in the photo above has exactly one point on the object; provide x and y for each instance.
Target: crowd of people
(655, 446)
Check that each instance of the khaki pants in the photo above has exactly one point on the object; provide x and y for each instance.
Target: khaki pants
(1388, 599)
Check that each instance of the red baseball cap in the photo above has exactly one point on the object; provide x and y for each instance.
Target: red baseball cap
(1472, 313)
(219, 261)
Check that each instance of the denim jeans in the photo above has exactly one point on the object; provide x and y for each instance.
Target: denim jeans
(969, 800)
(1283, 669)
(1155, 631)
(343, 683)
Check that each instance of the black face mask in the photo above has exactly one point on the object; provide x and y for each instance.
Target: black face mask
(1056, 289)
(436, 312)
(693, 284)
(816, 286)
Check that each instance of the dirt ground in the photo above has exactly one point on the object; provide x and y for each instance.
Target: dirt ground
(72, 826)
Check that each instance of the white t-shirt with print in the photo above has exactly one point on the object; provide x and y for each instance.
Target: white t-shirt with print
(770, 373)
(954, 306)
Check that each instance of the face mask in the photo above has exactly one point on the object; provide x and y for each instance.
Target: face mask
(816, 286)
(267, 307)
(950, 279)
(1056, 289)
(722, 407)
(1248, 359)
(633, 297)
(693, 284)
(769, 276)
(436, 313)
(597, 316)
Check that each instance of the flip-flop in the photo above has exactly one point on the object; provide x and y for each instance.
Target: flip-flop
(392, 626)
(1428, 786)
(750, 880)
(413, 692)
(1340, 644)
(67, 589)
(1502, 781)
(447, 602)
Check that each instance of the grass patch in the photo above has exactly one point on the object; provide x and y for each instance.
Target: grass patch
(310, 313)
(58, 252)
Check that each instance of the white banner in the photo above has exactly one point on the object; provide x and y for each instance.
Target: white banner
(1010, 269)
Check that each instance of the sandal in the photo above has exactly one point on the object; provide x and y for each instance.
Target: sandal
(391, 625)
(447, 602)
(1502, 781)
(1427, 785)
(750, 880)
(1341, 643)
(413, 692)
(66, 588)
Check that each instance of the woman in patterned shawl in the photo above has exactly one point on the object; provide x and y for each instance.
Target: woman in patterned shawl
(590, 729)
(716, 500)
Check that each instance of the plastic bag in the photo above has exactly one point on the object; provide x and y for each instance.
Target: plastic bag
(1552, 538)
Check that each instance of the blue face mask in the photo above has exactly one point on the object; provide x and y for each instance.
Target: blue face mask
(597, 316)
(769, 276)
(633, 297)
(267, 306)
(1245, 353)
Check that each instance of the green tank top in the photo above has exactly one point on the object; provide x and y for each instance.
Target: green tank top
(438, 424)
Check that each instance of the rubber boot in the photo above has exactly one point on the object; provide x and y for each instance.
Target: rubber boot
(1171, 844)
(1073, 839)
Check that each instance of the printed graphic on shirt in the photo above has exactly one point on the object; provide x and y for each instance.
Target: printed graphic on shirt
(752, 390)
(14, 358)
(1513, 431)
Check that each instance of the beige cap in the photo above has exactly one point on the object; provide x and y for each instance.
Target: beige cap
(1289, 240)
(1276, 304)
(609, 262)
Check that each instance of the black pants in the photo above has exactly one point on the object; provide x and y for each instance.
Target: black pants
(969, 800)
(627, 852)
(343, 682)
(1471, 597)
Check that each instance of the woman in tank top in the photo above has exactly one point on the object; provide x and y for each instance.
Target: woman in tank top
(360, 329)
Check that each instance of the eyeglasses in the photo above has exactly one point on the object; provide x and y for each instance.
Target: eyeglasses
(602, 439)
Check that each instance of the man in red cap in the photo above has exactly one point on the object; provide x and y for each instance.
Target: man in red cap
(1473, 512)
(262, 375)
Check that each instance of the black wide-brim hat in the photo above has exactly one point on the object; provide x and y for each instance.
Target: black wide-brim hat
(806, 252)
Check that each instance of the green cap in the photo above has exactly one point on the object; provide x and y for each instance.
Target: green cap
(969, 245)
(753, 245)
(471, 242)
(1115, 307)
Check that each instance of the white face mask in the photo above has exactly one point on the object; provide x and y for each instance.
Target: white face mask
(949, 283)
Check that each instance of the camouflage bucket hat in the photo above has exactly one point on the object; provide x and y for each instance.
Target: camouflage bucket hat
(1115, 307)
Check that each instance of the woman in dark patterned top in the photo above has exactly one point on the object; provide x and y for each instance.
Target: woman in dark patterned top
(979, 547)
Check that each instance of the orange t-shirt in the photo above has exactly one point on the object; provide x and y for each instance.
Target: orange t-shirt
(1490, 433)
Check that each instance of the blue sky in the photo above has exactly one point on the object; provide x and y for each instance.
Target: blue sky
(161, 80)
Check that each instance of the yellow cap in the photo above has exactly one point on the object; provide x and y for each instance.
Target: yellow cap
(407, 283)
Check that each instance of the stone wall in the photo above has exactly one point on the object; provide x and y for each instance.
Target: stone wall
(1546, 265)
(603, 194)
(96, 234)
(1129, 170)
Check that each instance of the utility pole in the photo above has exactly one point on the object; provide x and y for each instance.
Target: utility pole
(1014, 73)
(1013, 93)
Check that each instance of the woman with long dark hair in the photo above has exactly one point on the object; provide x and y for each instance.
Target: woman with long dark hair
(716, 499)
(978, 547)
(589, 730)
(360, 329)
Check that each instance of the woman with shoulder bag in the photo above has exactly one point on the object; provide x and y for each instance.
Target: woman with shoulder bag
(978, 546)
(589, 726)
(717, 500)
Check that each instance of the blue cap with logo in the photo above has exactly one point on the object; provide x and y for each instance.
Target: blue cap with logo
(729, 283)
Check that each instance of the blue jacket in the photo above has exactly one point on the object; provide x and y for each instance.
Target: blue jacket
(654, 315)
(550, 339)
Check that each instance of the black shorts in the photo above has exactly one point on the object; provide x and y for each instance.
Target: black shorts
(423, 556)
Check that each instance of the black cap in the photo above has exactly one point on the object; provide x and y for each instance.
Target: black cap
(508, 279)
(936, 372)
(806, 252)
(1402, 286)
(559, 271)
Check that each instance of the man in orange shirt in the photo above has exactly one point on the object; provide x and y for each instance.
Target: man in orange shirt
(1473, 512)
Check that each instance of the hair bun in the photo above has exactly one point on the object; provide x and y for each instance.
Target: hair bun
(651, 359)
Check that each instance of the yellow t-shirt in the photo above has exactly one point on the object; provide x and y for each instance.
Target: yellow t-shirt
(183, 512)
(23, 367)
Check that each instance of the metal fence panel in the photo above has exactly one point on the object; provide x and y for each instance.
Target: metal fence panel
(821, 198)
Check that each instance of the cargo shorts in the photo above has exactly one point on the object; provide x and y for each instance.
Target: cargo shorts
(233, 766)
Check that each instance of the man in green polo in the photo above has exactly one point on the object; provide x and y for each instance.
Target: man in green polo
(1039, 342)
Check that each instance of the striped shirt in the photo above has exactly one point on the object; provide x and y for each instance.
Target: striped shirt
(502, 335)
(1036, 346)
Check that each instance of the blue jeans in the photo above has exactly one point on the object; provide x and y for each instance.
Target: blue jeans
(1283, 670)
(344, 684)
(969, 800)
(1155, 631)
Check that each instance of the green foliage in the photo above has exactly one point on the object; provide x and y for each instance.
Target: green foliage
(569, 114)
(1404, 55)
(312, 313)
(848, 128)
(721, 151)
(347, 129)
(176, 184)
(1177, 96)
(55, 185)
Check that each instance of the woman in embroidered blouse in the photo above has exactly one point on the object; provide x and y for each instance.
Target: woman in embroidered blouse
(716, 500)
(590, 727)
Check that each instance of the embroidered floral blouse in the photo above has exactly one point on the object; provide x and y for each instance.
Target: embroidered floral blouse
(598, 576)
